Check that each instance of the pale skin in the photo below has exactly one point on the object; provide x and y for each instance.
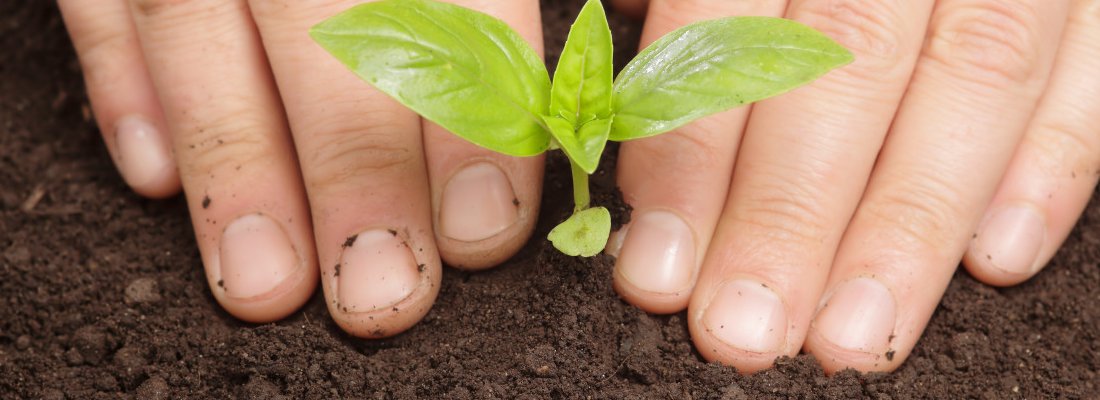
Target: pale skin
(827, 220)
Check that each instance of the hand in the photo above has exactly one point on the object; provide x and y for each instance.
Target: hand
(287, 159)
(965, 130)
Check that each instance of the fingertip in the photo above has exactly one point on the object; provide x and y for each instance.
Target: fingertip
(743, 323)
(144, 158)
(382, 286)
(649, 301)
(273, 306)
(744, 361)
(656, 261)
(122, 95)
(981, 267)
(387, 322)
(258, 274)
(615, 241)
(1006, 247)
(486, 211)
(857, 327)
(834, 358)
(166, 186)
(484, 205)
(716, 350)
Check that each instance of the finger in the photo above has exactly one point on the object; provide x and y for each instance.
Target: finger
(484, 204)
(632, 8)
(236, 162)
(1055, 169)
(676, 182)
(363, 166)
(122, 95)
(802, 168)
(979, 77)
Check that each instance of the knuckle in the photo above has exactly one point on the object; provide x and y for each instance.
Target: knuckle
(290, 9)
(226, 142)
(689, 7)
(872, 29)
(993, 42)
(1062, 145)
(683, 152)
(1089, 12)
(785, 211)
(347, 152)
(918, 215)
(683, 12)
(101, 55)
(154, 7)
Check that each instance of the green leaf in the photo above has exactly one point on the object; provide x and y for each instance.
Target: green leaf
(583, 234)
(712, 66)
(583, 79)
(584, 145)
(464, 70)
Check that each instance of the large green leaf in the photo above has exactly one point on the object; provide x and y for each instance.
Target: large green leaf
(582, 81)
(464, 70)
(712, 66)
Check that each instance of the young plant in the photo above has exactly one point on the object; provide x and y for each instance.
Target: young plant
(473, 75)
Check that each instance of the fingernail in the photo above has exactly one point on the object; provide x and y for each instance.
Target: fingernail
(376, 270)
(1010, 239)
(658, 253)
(859, 316)
(477, 203)
(615, 241)
(143, 155)
(255, 257)
(747, 315)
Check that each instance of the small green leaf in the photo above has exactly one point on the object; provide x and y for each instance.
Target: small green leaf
(712, 66)
(585, 145)
(582, 82)
(583, 234)
(464, 70)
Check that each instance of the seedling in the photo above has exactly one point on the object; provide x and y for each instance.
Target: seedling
(473, 75)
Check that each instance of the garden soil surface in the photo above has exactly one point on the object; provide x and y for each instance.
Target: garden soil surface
(102, 295)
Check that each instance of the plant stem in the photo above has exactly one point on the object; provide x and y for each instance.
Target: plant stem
(580, 188)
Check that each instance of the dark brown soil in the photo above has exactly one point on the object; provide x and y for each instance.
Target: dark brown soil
(102, 296)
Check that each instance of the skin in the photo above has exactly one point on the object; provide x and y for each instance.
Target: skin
(887, 169)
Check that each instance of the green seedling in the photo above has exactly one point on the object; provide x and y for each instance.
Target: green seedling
(473, 75)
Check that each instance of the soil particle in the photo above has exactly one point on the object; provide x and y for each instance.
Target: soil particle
(540, 326)
(541, 361)
(73, 357)
(106, 383)
(91, 343)
(154, 388)
(130, 357)
(350, 241)
(143, 290)
(22, 342)
(260, 388)
(51, 394)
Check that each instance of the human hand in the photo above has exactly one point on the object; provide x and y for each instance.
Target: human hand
(965, 130)
(287, 160)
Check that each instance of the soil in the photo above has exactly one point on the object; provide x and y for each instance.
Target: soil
(102, 296)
